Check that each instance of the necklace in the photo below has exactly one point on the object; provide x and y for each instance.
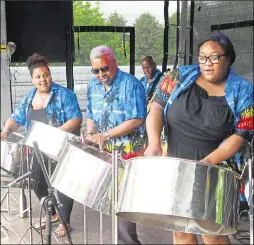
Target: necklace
(43, 99)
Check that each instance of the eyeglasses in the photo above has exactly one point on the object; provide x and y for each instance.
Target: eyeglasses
(102, 69)
(214, 59)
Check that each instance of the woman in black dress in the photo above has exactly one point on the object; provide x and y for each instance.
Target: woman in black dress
(203, 105)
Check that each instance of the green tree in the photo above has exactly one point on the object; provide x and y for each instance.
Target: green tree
(116, 19)
(149, 38)
(88, 14)
(119, 40)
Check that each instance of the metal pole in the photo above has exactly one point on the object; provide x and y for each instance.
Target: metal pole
(85, 225)
(101, 228)
(114, 196)
(6, 100)
(132, 50)
(251, 200)
(165, 37)
(29, 195)
(49, 168)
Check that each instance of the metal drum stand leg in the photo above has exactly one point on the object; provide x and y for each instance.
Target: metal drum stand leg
(85, 225)
(29, 183)
(250, 162)
(114, 196)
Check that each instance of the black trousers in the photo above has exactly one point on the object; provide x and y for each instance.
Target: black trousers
(127, 232)
(41, 188)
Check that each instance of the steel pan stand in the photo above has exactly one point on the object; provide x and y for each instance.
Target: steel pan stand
(51, 200)
(248, 174)
(250, 162)
(29, 184)
(85, 210)
(114, 196)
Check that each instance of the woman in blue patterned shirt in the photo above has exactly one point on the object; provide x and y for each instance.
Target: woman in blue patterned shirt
(52, 104)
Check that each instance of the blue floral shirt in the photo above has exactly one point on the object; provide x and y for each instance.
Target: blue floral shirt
(62, 106)
(125, 100)
(144, 79)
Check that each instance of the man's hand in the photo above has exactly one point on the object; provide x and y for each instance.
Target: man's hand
(98, 138)
(153, 150)
(89, 137)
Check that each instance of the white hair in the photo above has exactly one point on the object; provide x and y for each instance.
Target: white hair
(100, 51)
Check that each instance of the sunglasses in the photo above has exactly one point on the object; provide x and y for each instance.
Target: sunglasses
(102, 69)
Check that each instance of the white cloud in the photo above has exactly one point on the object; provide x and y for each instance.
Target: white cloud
(131, 10)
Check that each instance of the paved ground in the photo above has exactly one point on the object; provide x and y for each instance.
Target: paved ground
(147, 235)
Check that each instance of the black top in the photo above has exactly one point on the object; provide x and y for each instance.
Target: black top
(37, 115)
(197, 123)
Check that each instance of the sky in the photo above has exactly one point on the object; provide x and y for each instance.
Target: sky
(130, 10)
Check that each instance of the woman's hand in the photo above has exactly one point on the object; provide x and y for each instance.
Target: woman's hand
(4, 135)
(153, 150)
(227, 149)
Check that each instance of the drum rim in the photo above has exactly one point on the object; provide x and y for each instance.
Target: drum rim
(186, 160)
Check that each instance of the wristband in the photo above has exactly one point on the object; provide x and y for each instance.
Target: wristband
(107, 136)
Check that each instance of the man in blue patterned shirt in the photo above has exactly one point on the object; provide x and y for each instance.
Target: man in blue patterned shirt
(116, 112)
(152, 76)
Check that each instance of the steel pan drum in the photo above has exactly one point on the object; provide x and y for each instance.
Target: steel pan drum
(50, 139)
(85, 176)
(10, 158)
(179, 195)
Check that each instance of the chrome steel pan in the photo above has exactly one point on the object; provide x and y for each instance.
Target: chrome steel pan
(179, 195)
(85, 176)
(50, 140)
(10, 158)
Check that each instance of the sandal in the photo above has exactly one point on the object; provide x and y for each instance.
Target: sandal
(60, 231)
(43, 224)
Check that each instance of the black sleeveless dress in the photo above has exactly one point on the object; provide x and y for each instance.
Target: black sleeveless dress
(197, 123)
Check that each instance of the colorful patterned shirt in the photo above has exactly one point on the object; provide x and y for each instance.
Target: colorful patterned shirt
(62, 106)
(238, 94)
(148, 88)
(125, 100)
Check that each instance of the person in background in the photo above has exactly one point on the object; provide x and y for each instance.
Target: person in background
(116, 112)
(152, 76)
(208, 110)
(151, 82)
(52, 104)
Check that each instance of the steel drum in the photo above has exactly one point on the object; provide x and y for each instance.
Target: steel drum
(179, 195)
(50, 140)
(10, 158)
(85, 176)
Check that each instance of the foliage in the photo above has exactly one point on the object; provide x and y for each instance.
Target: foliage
(148, 33)
(149, 37)
(116, 19)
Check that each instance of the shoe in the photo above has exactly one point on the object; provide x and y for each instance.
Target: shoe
(43, 224)
(60, 231)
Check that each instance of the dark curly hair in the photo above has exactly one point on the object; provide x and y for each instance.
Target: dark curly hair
(35, 61)
(223, 41)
